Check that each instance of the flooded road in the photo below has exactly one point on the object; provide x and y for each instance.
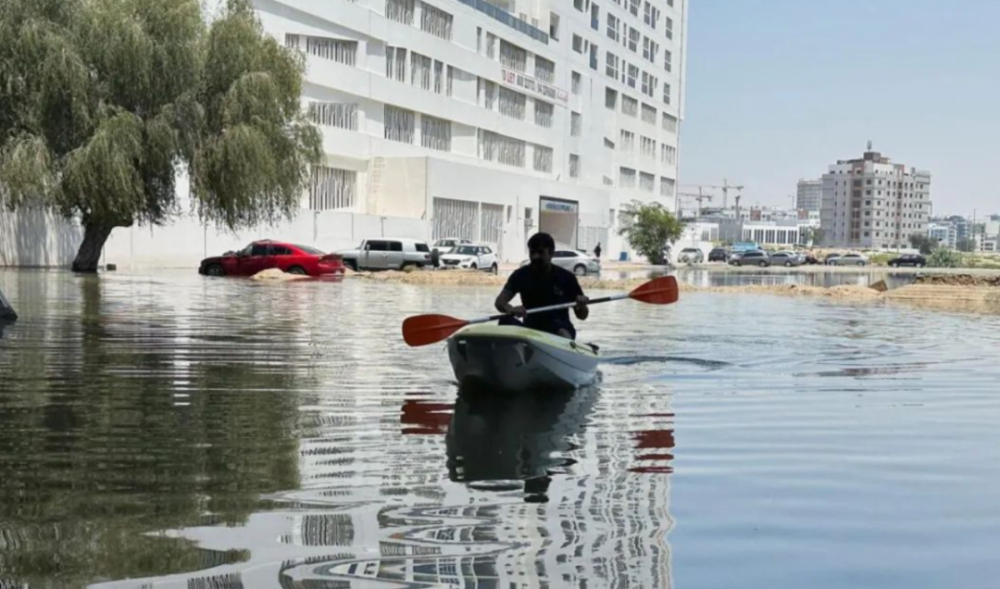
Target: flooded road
(179, 431)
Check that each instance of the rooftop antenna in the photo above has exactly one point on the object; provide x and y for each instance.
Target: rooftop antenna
(869, 145)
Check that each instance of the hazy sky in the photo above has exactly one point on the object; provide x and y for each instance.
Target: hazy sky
(777, 90)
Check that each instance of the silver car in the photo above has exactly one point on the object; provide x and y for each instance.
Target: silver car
(787, 259)
(691, 255)
(576, 262)
(852, 259)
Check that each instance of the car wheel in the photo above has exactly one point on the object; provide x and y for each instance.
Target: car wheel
(580, 270)
(788, 264)
(894, 265)
(215, 270)
(352, 265)
(495, 269)
(831, 264)
(297, 270)
(763, 264)
(737, 264)
(474, 266)
(861, 263)
(921, 265)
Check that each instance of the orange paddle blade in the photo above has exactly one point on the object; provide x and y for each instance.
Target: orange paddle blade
(659, 291)
(428, 329)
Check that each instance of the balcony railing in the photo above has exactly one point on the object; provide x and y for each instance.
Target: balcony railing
(508, 19)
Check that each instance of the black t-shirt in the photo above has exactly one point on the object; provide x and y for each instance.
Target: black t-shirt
(541, 289)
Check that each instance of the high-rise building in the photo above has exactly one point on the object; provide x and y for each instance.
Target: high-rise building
(873, 203)
(809, 196)
(491, 119)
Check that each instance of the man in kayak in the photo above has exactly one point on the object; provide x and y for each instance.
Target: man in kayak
(541, 284)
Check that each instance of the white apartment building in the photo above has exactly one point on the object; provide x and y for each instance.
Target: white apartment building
(873, 203)
(809, 195)
(490, 120)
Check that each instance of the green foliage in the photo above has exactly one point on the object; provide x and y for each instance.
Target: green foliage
(649, 228)
(923, 243)
(814, 235)
(105, 101)
(943, 257)
(881, 258)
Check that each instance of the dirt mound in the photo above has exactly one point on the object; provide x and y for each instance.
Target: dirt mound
(275, 275)
(957, 280)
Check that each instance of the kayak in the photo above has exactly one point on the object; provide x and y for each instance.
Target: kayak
(513, 359)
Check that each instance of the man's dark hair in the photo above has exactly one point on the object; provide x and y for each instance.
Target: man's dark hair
(540, 241)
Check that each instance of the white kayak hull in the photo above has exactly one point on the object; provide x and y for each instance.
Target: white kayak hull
(515, 359)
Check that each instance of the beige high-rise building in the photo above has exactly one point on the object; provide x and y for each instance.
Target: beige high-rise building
(872, 203)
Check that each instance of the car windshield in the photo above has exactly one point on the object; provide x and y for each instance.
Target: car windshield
(690, 250)
(309, 250)
(466, 250)
(445, 243)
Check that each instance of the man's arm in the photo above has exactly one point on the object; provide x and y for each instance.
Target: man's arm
(581, 310)
(506, 295)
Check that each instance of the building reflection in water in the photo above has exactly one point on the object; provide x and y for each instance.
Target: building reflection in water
(487, 492)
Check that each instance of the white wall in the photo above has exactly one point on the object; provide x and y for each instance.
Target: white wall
(37, 238)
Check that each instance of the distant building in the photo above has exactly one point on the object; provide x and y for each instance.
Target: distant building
(872, 203)
(944, 233)
(809, 196)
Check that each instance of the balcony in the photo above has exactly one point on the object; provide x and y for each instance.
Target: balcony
(508, 19)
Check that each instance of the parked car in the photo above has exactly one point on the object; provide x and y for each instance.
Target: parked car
(578, 263)
(691, 255)
(267, 254)
(387, 254)
(915, 260)
(786, 258)
(445, 245)
(831, 259)
(751, 258)
(472, 257)
(852, 259)
(719, 254)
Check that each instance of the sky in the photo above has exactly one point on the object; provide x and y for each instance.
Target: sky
(777, 90)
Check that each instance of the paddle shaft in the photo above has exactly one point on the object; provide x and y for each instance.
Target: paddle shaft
(608, 299)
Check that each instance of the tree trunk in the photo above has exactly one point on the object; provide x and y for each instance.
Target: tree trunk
(88, 257)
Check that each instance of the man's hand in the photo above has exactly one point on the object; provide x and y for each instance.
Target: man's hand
(581, 302)
(515, 311)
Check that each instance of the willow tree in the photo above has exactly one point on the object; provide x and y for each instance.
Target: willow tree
(103, 103)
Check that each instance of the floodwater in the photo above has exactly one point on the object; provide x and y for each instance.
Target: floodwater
(181, 431)
(718, 275)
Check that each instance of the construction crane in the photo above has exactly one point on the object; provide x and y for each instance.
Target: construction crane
(699, 196)
(726, 186)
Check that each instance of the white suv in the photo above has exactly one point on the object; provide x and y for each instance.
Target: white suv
(387, 254)
(471, 257)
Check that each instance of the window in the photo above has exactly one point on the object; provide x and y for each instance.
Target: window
(575, 124)
(647, 182)
(651, 15)
(400, 10)
(332, 188)
(435, 133)
(595, 20)
(626, 177)
(633, 40)
(543, 114)
(395, 64)
(649, 49)
(648, 114)
(554, 25)
(399, 124)
(545, 70)
(578, 44)
(666, 93)
(512, 104)
(513, 56)
(420, 70)
(647, 147)
(593, 56)
(648, 84)
(576, 83)
(609, 144)
(630, 106)
(611, 65)
(450, 81)
(627, 140)
(578, 4)
(574, 165)
(668, 58)
(334, 114)
(434, 21)
(491, 45)
(500, 148)
(613, 27)
(345, 52)
(489, 92)
(633, 7)
(667, 187)
(668, 154)
(669, 123)
(610, 98)
(543, 159)
(670, 27)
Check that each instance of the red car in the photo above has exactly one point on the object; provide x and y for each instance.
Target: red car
(266, 254)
